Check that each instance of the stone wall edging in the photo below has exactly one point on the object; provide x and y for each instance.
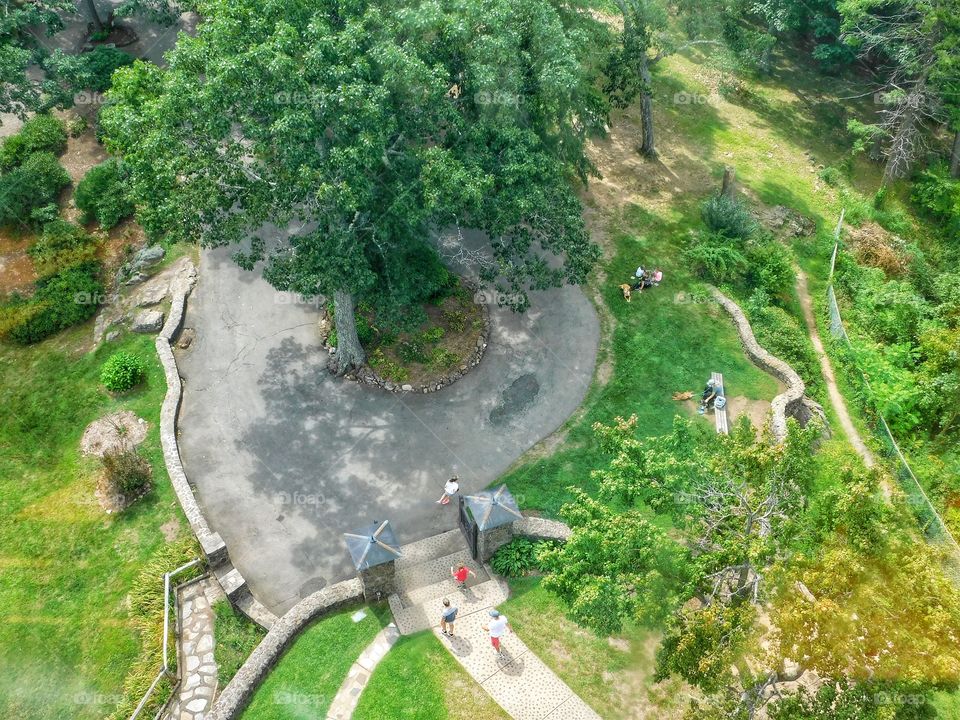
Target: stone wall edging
(236, 695)
(786, 404)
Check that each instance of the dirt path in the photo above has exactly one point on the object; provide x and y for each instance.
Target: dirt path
(836, 399)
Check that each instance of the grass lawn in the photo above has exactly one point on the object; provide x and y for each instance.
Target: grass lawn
(420, 680)
(66, 636)
(236, 637)
(305, 681)
(613, 675)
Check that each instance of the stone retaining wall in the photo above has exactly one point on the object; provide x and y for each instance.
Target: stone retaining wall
(236, 695)
(542, 529)
(792, 401)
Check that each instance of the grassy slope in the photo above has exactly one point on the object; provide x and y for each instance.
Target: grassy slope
(236, 637)
(65, 638)
(614, 676)
(420, 680)
(309, 674)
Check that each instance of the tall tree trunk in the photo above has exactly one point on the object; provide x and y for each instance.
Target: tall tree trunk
(728, 187)
(350, 355)
(955, 157)
(906, 136)
(94, 16)
(766, 57)
(646, 111)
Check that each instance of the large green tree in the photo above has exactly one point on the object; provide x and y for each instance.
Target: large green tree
(357, 127)
(22, 26)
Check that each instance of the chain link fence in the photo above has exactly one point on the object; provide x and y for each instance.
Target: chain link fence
(929, 520)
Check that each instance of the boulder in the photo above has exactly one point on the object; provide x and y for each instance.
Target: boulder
(146, 257)
(147, 321)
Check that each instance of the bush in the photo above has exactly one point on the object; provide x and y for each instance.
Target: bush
(34, 184)
(122, 371)
(781, 334)
(412, 350)
(387, 368)
(127, 471)
(456, 319)
(443, 359)
(831, 176)
(42, 133)
(518, 557)
(102, 194)
(61, 300)
(90, 70)
(770, 267)
(61, 245)
(728, 217)
(717, 258)
(938, 195)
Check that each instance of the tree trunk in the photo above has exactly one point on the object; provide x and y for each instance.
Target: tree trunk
(94, 16)
(728, 187)
(905, 142)
(766, 57)
(955, 157)
(350, 355)
(646, 111)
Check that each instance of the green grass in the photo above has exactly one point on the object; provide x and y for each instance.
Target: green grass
(613, 675)
(305, 681)
(66, 636)
(236, 636)
(420, 680)
(662, 342)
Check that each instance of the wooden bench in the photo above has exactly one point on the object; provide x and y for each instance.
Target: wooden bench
(720, 414)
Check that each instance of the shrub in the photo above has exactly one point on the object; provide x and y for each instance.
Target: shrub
(728, 217)
(90, 70)
(61, 300)
(781, 334)
(102, 195)
(412, 350)
(831, 176)
(443, 359)
(518, 557)
(432, 335)
(717, 258)
(387, 367)
(42, 133)
(127, 471)
(61, 245)
(122, 371)
(938, 195)
(455, 319)
(770, 267)
(34, 184)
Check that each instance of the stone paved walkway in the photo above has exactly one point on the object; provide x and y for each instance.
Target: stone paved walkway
(198, 667)
(346, 699)
(520, 683)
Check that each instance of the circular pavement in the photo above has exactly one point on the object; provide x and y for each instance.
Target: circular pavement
(286, 458)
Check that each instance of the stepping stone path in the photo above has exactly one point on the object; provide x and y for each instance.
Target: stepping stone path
(198, 681)
(519, 682)
(348, 696)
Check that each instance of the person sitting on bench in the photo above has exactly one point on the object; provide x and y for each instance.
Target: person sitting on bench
(709, 396)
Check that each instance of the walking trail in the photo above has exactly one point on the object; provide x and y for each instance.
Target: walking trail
(836, 399)
(519, 682)
(194, 696)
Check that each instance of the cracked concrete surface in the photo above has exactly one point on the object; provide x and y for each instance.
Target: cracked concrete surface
(286, 458)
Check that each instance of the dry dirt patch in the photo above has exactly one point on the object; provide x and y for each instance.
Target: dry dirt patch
(113, 432)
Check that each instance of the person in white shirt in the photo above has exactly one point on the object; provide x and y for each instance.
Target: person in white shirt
(497, 628)
(450, 488)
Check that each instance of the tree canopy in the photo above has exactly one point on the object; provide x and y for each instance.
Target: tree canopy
(358, 127)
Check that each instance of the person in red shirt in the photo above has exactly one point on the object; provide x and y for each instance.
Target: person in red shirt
(460, 574)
